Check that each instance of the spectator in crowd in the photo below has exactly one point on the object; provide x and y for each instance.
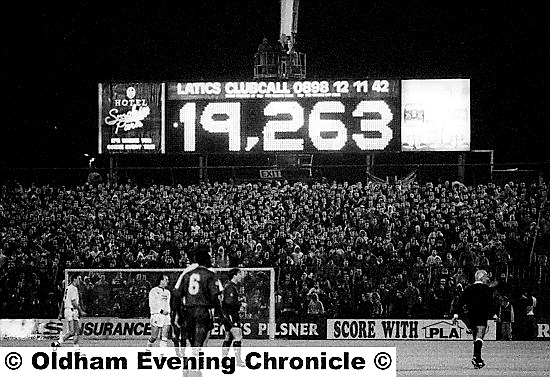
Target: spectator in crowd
(283, 46)
(450, 264)
(385, 297)
(264, 46)
(413, 299)
(264, 49)
(377, 309)
(506, 319)
(434, 260)
(482, 261)
(439, 300)
(399, 307)
(315, 307)
(456, 293)
(364, 307)
(101, 292)
(526, 315)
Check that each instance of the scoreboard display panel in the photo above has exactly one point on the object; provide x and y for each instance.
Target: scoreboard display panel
(315, 116)
(289, 116)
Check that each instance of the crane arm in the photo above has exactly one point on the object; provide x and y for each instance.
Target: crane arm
(289, 18)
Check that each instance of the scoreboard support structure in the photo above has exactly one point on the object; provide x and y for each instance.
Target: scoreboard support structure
(491, 161)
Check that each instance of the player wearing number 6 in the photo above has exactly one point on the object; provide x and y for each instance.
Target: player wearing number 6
(159, 304)
(197, 291)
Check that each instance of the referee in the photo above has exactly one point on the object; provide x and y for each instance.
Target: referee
(476, 306)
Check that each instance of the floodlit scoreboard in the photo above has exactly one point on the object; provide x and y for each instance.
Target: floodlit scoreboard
(346, 116)
(301, 116)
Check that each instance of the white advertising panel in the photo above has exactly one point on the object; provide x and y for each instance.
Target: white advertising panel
(435, 115)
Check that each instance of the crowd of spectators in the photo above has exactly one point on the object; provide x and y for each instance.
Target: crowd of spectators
(364, 250)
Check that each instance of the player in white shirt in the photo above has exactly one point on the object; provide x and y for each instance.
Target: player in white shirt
(159, 304)
(71, 311)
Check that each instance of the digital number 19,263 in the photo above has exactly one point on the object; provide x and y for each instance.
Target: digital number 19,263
(288, 117)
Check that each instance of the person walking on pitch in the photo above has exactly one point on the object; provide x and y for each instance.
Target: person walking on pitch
(476, 306)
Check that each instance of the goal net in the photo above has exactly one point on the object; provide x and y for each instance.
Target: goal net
(124, 293)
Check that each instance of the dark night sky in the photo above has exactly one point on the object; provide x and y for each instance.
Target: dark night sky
(56, 55)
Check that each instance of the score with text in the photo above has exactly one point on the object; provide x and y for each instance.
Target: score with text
(298, 125)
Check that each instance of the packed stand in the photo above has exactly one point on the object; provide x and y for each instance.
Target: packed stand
(340, 250)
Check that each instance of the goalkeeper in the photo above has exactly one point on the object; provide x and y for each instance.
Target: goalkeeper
(72, 310)
(159, 304)
(230, 313)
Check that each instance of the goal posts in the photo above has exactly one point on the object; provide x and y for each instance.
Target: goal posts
(123, 293)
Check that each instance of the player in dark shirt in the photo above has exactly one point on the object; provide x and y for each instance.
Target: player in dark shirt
(197, 291)
(230, 312)
(476, 306)
(179, 337)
